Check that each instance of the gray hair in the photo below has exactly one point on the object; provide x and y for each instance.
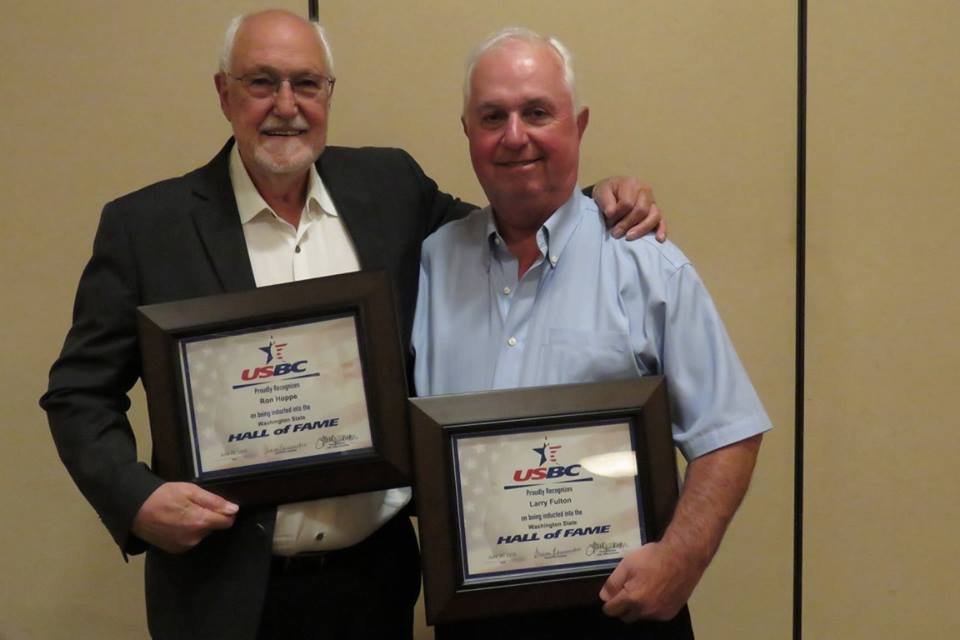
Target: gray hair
(523, 34)
(231, 35)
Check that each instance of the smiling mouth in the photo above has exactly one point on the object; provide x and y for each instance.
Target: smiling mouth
(518, 163)
(283, 133)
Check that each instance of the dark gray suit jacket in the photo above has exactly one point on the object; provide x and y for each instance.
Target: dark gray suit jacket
(180, 239)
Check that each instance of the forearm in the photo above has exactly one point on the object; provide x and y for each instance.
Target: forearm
(714, 486)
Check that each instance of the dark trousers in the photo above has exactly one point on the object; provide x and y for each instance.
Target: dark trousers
(568, 624)
(365, 591)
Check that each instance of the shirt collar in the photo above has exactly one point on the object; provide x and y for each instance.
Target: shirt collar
(250, 203)
(552, 237)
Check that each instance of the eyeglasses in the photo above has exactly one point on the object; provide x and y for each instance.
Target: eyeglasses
(263, 84)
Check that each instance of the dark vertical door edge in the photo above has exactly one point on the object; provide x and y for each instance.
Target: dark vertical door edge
(800, 316)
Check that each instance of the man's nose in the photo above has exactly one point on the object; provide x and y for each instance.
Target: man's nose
(285, 101)
(515, 132)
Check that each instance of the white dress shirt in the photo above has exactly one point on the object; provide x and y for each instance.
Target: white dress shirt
(279, 252)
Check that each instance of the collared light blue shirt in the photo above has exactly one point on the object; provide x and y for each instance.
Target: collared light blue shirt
(591, 308)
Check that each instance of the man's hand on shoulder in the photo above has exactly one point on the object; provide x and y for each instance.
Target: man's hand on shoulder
(178, 515)
(650, 583)
(629, 207)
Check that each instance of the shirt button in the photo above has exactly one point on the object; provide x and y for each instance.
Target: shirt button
(512, 342)
(319, 536)
(297, 249)
(496, 240)
(553, 260)
(506, 291)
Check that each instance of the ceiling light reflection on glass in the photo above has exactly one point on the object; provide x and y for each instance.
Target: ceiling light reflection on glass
(617, 464)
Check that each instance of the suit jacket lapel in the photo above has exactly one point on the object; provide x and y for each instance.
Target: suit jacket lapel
(218, 224)
(355, 207)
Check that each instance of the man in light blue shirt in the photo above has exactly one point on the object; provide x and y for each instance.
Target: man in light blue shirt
(532, 291)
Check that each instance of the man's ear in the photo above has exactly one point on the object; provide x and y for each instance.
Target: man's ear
(220, 82)
(582, 119)
(463, 123)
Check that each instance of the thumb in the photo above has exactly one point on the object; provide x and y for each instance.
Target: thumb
(618, 605)
(614, 583)
(213, 502)
(605, 197)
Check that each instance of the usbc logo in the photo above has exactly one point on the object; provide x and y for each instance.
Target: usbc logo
(275, 365)
(547, 453)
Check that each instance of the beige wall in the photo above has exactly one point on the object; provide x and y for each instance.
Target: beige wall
(697, 98)
(882, 495)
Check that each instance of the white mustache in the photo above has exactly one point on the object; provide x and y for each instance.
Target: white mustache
(272, 122)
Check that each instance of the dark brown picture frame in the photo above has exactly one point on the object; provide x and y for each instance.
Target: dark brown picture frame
(367, 296)
(436, 420)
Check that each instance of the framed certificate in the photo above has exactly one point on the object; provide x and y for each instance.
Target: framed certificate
(279, 394)
(529, 498)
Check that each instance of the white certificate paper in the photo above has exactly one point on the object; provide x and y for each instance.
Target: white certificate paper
(546, 501)
(275, 395)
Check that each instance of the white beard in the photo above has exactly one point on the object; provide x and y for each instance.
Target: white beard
(290, 161)
(284, 155)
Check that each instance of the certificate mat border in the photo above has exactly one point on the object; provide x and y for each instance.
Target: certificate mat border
(515, 576)
(193, 438)
(366, 295)
(641, 401)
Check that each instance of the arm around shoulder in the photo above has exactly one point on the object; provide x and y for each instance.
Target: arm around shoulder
(439, 207)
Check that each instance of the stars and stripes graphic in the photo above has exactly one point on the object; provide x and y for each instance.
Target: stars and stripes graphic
(273, 351)
(548, 452)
